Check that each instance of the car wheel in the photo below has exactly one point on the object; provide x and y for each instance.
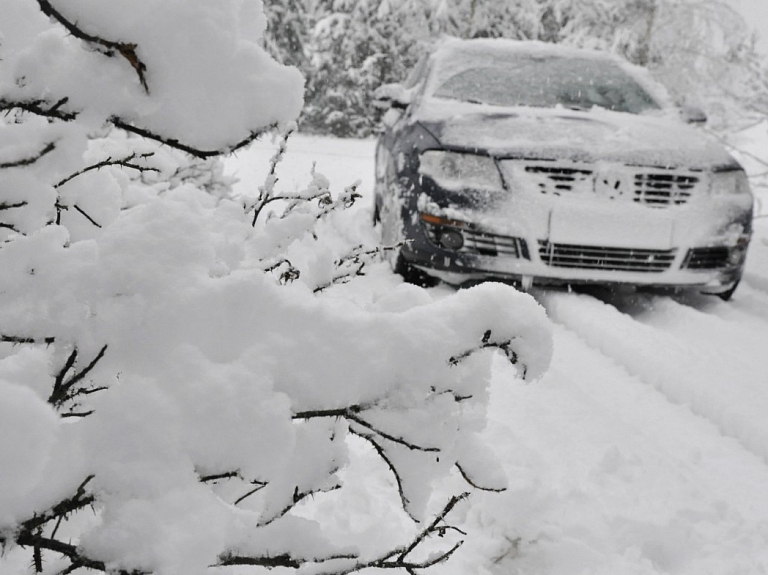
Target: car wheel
(412, 274)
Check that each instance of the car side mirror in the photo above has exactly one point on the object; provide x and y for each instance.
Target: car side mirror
(692, 115)
(392, 96)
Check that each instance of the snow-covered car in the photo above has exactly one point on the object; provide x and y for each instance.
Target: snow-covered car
(541, 164)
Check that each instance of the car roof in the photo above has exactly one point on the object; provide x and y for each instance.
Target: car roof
(451, 55)
(450, 48)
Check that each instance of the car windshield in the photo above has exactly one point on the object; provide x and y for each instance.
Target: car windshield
(545, 82)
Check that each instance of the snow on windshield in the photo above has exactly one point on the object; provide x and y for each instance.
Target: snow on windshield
(546, 81)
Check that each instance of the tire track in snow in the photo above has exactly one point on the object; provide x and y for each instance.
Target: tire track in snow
(709, 364)
(602, 466)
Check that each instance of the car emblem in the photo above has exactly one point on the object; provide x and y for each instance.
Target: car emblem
(610, 185)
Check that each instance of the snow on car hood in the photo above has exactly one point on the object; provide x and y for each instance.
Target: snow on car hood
(584, 136)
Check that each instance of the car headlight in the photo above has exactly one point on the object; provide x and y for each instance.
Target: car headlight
(456, 171)
(728, 183)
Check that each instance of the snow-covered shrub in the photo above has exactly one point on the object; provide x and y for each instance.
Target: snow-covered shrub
(174, 397)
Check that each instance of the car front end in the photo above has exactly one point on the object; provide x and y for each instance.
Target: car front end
(555, 223)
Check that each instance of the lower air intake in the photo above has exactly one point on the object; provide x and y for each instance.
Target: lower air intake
(602, 258)
(711, 258)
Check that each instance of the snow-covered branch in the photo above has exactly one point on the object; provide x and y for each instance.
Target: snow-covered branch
(352, 414)
(65, 386)
(47, 149)
(395, 559)
(16, 339)
(352, 264)
(126, 49)
(226, 407)
(505, 346)
(177, 144)
(126, 162)
(38, 107)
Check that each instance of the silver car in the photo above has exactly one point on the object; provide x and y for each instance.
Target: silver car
(541, 164)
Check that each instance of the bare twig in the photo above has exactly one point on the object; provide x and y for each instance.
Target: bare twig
(474, 484)
(505, 346)
(5, 206)
(219, 476)
(294, 199)
(123, 162)
(23, 339)
(259, 486)
(126, 49)
(404, 502)
(11, 227)
(80, 500)
(174, 143)
(266, 191)
(64, 389)
(270, 562)
(47, 149)
(40, 108)
(357, 259)
(87, 217)
(432, 527)
(394, 559)
(289, 274)
(351, 413)
(393, 438)
(298, 497)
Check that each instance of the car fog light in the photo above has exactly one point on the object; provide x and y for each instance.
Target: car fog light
(451, 239)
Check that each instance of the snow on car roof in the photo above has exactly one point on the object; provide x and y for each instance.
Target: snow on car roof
(452, 55)
(484, 46)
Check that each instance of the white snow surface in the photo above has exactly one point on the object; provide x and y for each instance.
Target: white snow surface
(643, 449)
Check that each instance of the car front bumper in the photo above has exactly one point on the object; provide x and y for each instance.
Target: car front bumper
(710, 259)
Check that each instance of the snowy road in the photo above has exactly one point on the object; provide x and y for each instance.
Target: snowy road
(645, 447)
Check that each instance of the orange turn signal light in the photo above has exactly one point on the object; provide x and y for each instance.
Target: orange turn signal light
(439, 221)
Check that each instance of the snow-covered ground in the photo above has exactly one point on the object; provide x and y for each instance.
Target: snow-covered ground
(644, 449)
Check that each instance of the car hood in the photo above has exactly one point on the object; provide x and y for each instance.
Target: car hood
(583, 136)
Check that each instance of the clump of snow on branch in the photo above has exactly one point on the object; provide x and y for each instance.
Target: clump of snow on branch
(192, 71)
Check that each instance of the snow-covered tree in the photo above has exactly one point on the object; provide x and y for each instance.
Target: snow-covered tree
(181, 391)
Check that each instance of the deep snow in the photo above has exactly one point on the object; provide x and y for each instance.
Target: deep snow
(643, 450)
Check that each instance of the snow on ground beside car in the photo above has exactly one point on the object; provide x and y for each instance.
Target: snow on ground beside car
(643, 450)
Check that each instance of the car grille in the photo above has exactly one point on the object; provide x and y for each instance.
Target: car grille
(658, 189)
(553, 180)
(487, 244)
(651, 187)
(711, 258)
(601, 258)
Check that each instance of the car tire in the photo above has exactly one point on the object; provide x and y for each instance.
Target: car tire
(413, 275)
